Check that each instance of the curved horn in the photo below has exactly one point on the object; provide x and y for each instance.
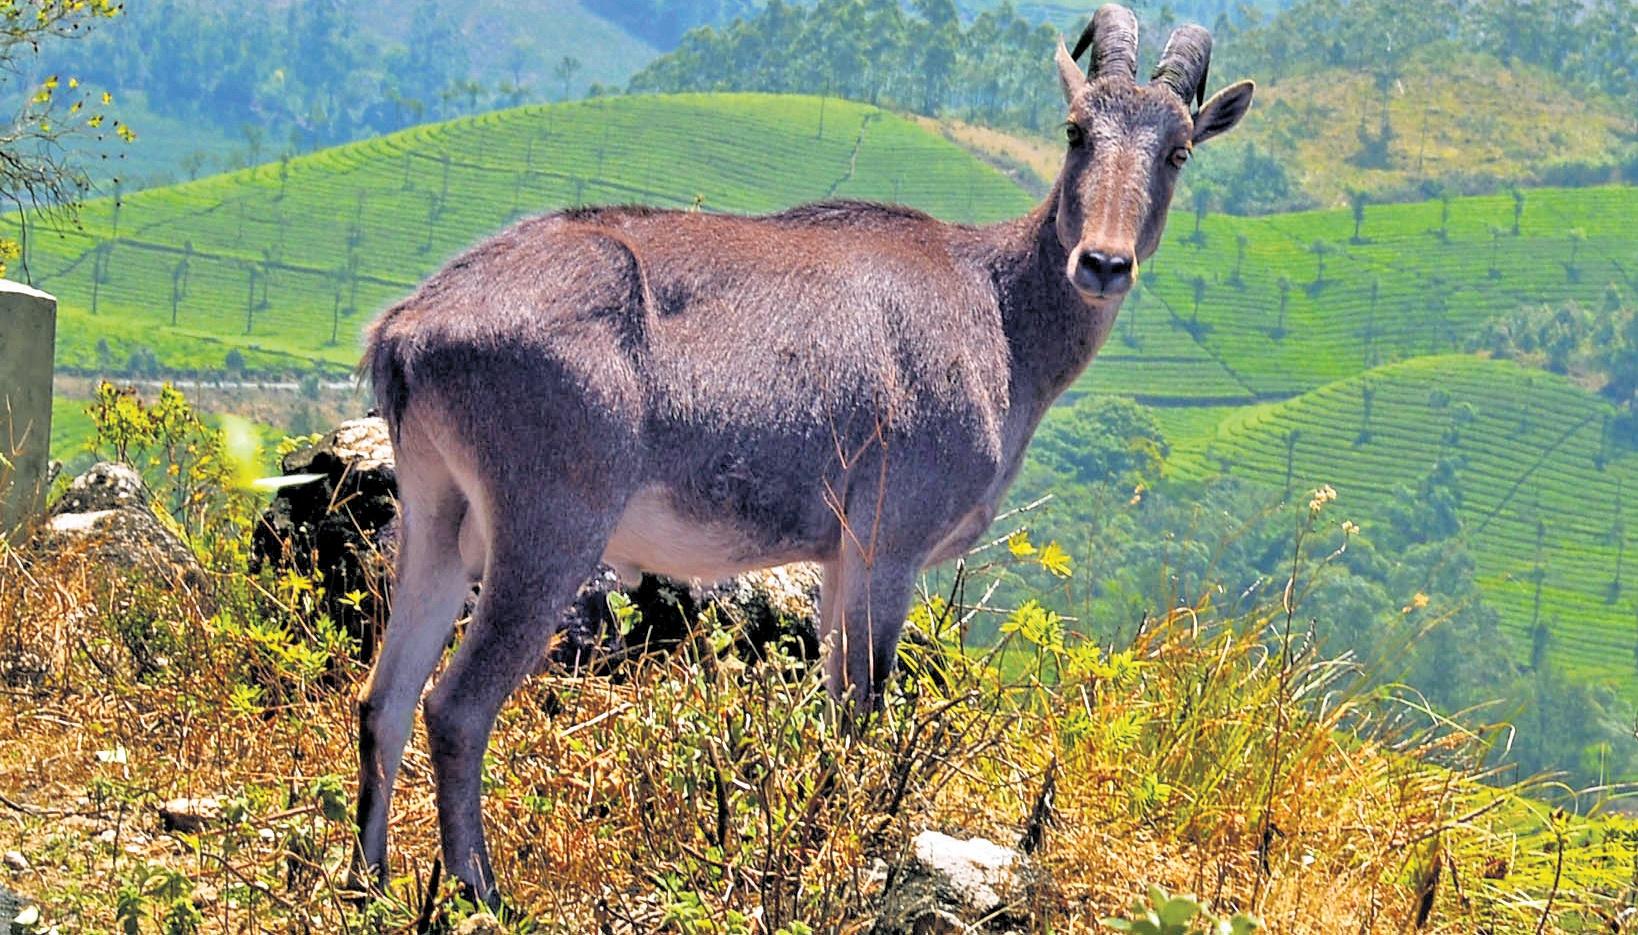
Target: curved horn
(1184, 64)
(1113, 37)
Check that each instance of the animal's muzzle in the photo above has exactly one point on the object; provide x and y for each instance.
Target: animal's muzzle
(1103, 273)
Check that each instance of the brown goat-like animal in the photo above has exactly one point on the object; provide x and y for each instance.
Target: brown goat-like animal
(691, 394)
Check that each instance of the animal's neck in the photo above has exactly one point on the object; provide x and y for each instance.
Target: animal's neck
(1052, 332)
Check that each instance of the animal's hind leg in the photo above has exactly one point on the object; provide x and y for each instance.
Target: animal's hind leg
(525, 587)
(430, 586)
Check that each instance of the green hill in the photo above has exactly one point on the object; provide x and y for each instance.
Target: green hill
(1407, 290)
(288, 260)
(1542, 484)
(285, 262)
(1456, 118)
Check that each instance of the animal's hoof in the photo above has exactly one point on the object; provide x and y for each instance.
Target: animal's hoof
(363, 883)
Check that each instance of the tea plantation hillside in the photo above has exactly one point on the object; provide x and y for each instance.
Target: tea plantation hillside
(1271, 322)
(288, 260)
(1544, 488)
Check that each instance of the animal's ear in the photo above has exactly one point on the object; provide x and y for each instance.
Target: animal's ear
(1069, 73)
(1223, 111)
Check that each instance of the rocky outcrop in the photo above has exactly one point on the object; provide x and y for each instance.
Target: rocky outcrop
(107, 517)
(335, 520)
(954, 885)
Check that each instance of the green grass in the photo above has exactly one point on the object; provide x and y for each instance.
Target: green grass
(345, 231)
(71, 430)
(1540, 485)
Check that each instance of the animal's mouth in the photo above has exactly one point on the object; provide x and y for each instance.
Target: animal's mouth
(1101, 293)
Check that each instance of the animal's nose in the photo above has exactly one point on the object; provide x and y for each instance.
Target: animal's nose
(1102, 272)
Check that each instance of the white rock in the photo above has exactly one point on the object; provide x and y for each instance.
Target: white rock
(982, 873)
(480, 924)
(16, 861)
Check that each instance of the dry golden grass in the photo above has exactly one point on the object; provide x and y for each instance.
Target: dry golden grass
(1032, 162)
(698, 794)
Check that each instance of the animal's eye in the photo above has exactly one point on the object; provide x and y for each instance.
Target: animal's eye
(1179, 156)
(1074, 134)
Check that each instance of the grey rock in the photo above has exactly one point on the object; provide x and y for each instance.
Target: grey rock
(106, 516)
(16, 861)
(481, 923)
(950, 884)
(190, 816)
(337, 519)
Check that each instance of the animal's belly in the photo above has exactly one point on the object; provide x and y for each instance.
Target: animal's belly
(653, 537)
(963, 536)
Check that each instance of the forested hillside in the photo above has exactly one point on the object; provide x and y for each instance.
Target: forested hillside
(212, 86)
(1396, 99)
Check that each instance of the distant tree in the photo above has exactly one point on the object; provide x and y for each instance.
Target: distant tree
(1128, 314)
(1320, 249)
(1198, 285)
(118, 206)
(254, 136)
(512, 93)
(1201, 196)
(1518, 207)
(1367, 398)
(1370, 322)
(1284, 285)
(338, 282)
(1438, 304)
(251, 273)
(1357, 199)
(1618, 535)
(564, 71)
(1292, 437)
(234, 362)
(1101, 439)
(179, 280)
(1541, 637)
(39, 172)
(1375, 147)
(1495, 251)
(520, 54)
(1240, 241)
(192, 162)
(1577, 237)
(473, 89)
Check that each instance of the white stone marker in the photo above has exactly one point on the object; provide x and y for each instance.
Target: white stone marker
(28, 339)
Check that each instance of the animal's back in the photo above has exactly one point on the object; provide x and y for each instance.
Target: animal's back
(743, 320)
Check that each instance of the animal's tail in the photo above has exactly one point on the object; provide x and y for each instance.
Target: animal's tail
(387, 366)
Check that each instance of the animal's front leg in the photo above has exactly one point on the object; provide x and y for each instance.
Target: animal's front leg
(864, 601)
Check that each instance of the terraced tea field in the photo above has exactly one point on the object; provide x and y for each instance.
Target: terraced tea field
(287, 261)
(1406, 291)
(1542, 484)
